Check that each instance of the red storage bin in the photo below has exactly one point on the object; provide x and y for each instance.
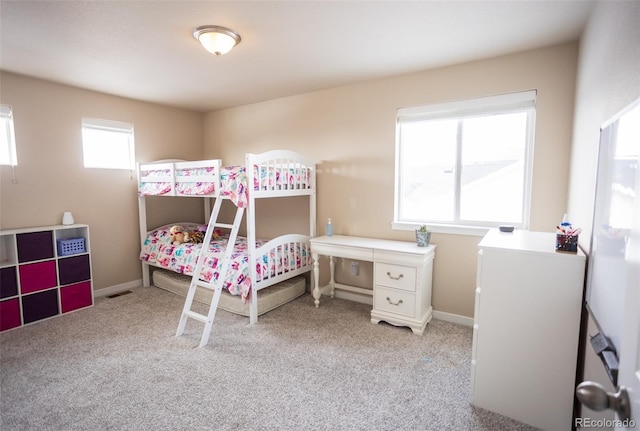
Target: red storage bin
(38, 276)
(76, 296)
(9, 314)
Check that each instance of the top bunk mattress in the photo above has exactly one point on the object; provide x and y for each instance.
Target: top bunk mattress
(209, 178)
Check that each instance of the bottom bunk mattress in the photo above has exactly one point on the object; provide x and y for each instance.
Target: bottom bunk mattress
(159, 250)
(268, 298)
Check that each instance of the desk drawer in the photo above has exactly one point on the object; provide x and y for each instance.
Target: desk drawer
(394, 301)
(349, 252)
(396, 276)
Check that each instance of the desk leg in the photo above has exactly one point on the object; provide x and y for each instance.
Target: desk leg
(316, 278)
(332, 270)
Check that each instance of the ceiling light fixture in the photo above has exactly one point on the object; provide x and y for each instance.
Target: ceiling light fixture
(215, 39)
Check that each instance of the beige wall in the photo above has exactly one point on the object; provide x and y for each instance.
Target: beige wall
(350, 132)
(52, 179)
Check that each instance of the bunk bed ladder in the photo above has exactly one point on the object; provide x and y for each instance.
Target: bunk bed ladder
(216, 285)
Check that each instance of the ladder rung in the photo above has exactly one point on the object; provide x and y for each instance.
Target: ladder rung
(197, 316)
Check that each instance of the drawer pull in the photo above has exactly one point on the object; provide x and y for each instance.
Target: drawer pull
(394, 278)
(394, 303)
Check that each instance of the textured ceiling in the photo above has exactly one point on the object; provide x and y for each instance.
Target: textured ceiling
(145, 50)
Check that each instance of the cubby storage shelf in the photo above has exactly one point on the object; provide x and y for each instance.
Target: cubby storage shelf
(40, 279)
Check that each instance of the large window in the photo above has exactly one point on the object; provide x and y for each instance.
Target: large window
(465, 163)
(7, 137)
(107, 144)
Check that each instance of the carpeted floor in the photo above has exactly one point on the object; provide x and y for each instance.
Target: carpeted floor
(118, 366)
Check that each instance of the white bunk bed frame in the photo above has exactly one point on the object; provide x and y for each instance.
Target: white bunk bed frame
(276, 159)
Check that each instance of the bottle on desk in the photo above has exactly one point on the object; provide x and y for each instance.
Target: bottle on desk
(329, 231)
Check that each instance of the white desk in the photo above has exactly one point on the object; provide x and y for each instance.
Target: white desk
(402, 276)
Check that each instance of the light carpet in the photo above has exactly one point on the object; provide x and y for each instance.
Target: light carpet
(119, 366)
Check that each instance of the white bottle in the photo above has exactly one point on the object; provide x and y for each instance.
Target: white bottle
(329, 228)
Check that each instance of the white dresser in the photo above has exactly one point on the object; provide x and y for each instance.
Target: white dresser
(402, 276)
(526, 328)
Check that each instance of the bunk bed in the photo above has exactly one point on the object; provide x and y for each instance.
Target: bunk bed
(253, 264)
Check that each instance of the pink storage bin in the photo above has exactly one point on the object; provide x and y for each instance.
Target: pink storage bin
(38, 276)
(9, 314)
(76, 296)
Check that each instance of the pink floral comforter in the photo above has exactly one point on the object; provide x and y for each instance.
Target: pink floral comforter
(158, 250)
(151, 183)
(233, 182)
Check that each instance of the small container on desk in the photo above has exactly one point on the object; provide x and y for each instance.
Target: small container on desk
(567, 243)
(68, 247)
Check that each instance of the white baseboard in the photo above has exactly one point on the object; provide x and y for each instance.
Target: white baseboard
(112, 290)
(453, 318)
(367, 299)
(350, 296)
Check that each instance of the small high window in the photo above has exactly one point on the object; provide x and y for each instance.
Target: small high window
(8, 154)
(107, 144)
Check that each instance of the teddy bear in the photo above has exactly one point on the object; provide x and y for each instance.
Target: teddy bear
(179, 235)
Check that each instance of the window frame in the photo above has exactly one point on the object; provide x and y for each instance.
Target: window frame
(523, 101)
(89, 123)
(6, 114)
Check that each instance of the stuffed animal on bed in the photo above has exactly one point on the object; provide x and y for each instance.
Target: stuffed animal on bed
(194, 237)
(179, 235)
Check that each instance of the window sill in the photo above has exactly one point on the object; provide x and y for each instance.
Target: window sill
(447, 229)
